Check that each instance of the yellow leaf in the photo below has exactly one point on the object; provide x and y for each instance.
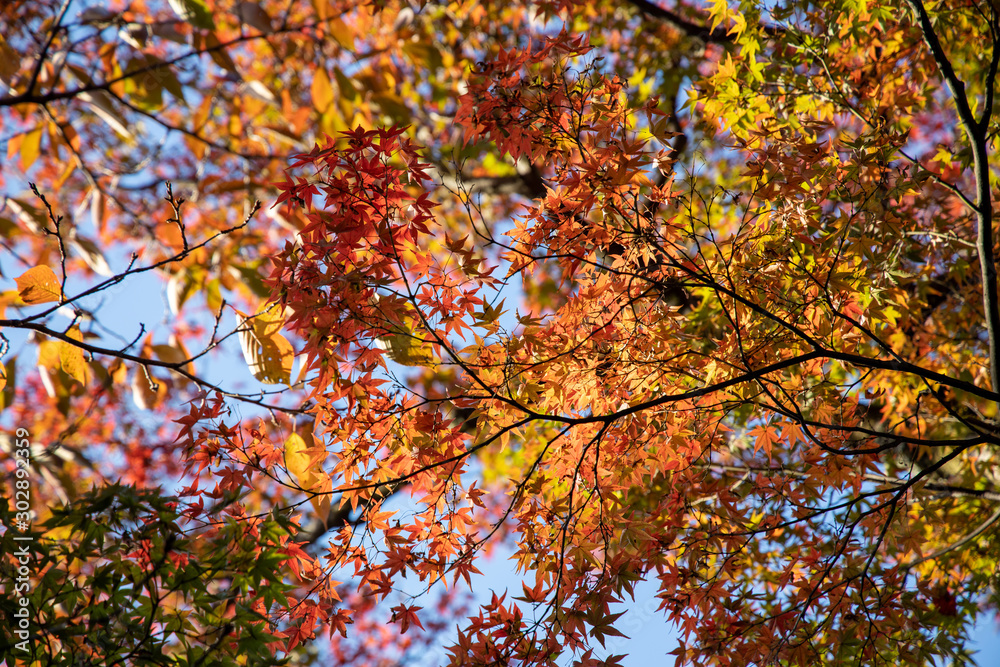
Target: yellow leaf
(404, 341)
(9, 381)
(103, 106)
(92, 255)
(322, 91)
(14, 146)
(174, 352)
(423, 54)
(71, 358)
(711, 370)
(269, 319)
(407, 350)
(118, 371)
(30, 148)
(39, 285)
(169, 354)
(305, 464)
(302, 462)
(253, 15)
(341, 33)
(50, 362)
(31, 218)
(70, 166)
(394, 106)
(180, 287)
(195, 12)
(274, 364)
(268, 354)
(10, 298)
(48, 354)
(322, 8)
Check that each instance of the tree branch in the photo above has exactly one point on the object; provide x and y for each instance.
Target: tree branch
(960, 543)
(40, 63)
(689, 28)
(717, 36)
(340, 516)
(976, 132)
(175, 366)
(875, 478)
(30, 97)
(984, 118)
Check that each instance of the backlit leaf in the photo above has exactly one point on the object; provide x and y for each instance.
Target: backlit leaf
(322, 91)
(30, 147)
(268, 354)
(39, 285)
(71, 358)
(305, 464)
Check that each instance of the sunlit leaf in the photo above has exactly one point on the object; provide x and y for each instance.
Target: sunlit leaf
(71, 358)
(9, 372)
(322, 91)
(30, 147)
(305, 463)
(39, 285)
(267, 352)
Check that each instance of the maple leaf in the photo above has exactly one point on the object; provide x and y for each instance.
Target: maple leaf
(744, 347)
(406, 616)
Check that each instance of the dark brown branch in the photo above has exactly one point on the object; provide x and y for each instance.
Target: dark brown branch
(689, 28)
(874, 478)
(179, 367)
(29, 97)
(40, 63)
(131, 271)
(984, 118)
(194, 134)
(340, 516)
(528, 182)
(175, 366)
(718, 36)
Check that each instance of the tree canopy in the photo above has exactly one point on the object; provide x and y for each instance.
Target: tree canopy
(703, 295)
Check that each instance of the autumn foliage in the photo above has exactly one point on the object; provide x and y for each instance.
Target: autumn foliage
(698, 296)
